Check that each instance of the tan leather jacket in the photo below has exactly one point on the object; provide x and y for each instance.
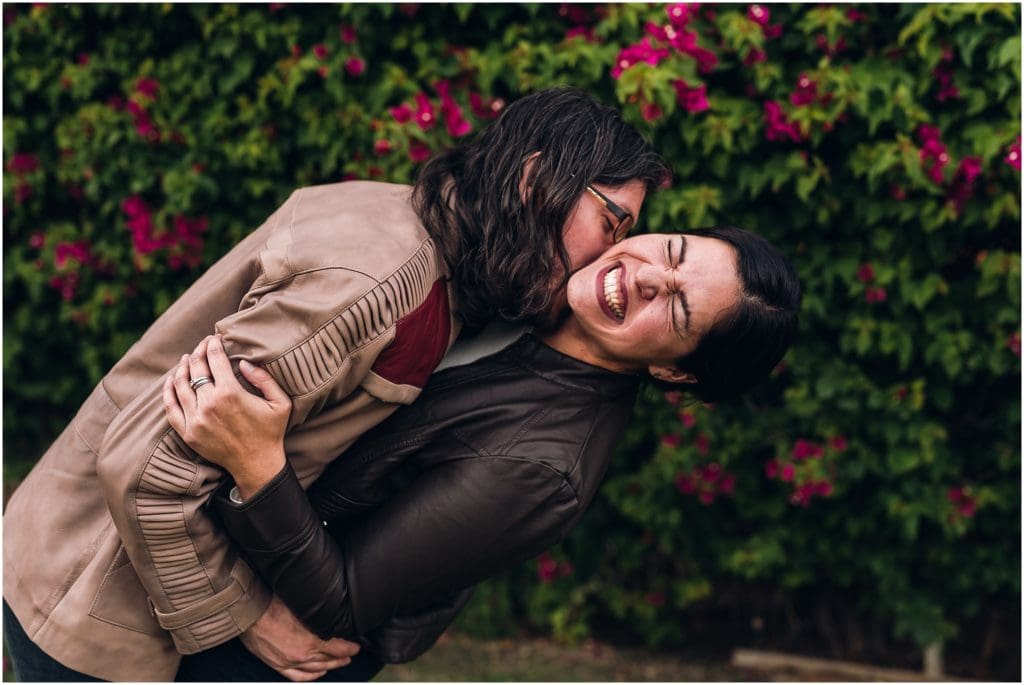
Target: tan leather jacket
(112, 563)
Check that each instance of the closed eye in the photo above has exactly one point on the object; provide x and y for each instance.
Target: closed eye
(677, 298)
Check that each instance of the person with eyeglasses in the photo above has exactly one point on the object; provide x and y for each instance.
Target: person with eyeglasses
(349, 295)
(498, 458)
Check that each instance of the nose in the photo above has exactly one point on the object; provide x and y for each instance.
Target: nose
(650, 281)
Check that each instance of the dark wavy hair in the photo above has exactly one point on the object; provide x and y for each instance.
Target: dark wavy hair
(504, 254)
(745, 343)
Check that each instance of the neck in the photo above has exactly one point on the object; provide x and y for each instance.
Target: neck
(570, 341)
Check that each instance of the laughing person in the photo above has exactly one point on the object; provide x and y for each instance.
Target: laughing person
(496, 461)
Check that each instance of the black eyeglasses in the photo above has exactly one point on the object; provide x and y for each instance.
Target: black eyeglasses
(625, 219)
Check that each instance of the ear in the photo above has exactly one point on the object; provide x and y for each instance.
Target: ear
(524, 185)
(671, 374)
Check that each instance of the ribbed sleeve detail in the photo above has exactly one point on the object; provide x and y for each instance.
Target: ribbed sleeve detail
(311, 365)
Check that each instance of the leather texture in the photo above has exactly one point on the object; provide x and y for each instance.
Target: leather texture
(112, 562)
(493, 464)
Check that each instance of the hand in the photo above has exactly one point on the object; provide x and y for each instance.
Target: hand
(222, 421)
(284, 644)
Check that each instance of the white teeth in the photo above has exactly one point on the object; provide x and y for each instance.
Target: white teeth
(611, 292)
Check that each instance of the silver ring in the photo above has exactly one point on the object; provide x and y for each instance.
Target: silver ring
(202, 380)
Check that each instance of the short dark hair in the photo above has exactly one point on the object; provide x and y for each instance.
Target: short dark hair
(503, 253)
(745, 343)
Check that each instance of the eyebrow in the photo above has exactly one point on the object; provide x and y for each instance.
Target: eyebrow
(681, 295)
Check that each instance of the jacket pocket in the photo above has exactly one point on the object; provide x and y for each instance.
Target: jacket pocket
(122, 600)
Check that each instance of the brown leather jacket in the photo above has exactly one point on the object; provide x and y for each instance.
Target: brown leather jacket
(112, 563)
(493, 464)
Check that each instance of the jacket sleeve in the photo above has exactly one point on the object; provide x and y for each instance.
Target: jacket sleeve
(455, 525)
(156, 487)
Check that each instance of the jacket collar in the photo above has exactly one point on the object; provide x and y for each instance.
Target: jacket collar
(530, 353)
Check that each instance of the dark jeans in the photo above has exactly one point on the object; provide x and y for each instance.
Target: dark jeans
(231, 661)
(32, 664)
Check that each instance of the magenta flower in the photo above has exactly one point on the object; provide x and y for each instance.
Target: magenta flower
(775, 30)
(355, 66)
(547, 568)
(574, 13)
(702, 443)
(651, 111)
(347, 34)
(805, 449)
(706, 497)
(969, 169)
(418, 152)
(771, 468)
(806, 91)
(777, 126)
(874, 295)
(686, 484)
(754, 56)
(688, 419)
(926, 132)
(1013, 156)
(856, 15)
(787, 473)
(320, 51)
(637, 53)
(424, 112)
(485, 108)
(681, 13)
(865, 273)
(961, 498)
(758, 14)
(402, 113)
(22, 192)
(838, 443)
(80, 251)
(670, 440)
(381, 147)
(691, 99)
(710, 473)
(673, 397)
(147, 86)
(584, 32)
(823, 488)
(727, 484)
(37, 240)
(1013, 343)
(22, 163)
(453, 119)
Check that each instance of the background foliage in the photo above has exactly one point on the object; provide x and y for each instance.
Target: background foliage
(871, 490)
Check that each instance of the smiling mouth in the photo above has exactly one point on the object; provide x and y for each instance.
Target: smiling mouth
(614, 298)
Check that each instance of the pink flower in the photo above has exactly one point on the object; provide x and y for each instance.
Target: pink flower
(823, 488)
(754, 56)
(806, 91)
(727, 484)
(681, 13)
(37, 240)
(381, 147)
(865, 273)
(485, 108)
(347, 34)
(80, 251)
(926, 132)
(710, 472)
(805, 449)
(688, 419)
(655, 599)
(418, 152)
(147, 86)
(453, 119)
(936, 174)
(637, 53)
(584, 32)
(969, 169)
(787, 473)
(651, 111)
(802, 495)
(758, 14)
(686, 484)
(424, 112)
(574, 13)
(777, 126)
(855, 15)
(320, 51)
(706, 497)
(670, 440)
(691, 99)
(774, 31)
(873, 295)
(702, 443)
(547, 568)
(838, 443)
(1013, 343)
(961, 498)
(673, 397)
(23, 163)
(402, 113)
(355, 66)
(771, 468)
(1013, 156)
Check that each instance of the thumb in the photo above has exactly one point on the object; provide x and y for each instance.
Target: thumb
(265, 383)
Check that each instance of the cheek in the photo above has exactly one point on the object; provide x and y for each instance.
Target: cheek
(585, 241)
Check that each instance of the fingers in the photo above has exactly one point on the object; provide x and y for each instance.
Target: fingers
(265, 383)
(184, 392)
(339, 648)
(197, 366)
(175, 415)
(220, 365)
(298, 676)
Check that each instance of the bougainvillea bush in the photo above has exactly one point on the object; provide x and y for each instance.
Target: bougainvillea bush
(876, 477)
